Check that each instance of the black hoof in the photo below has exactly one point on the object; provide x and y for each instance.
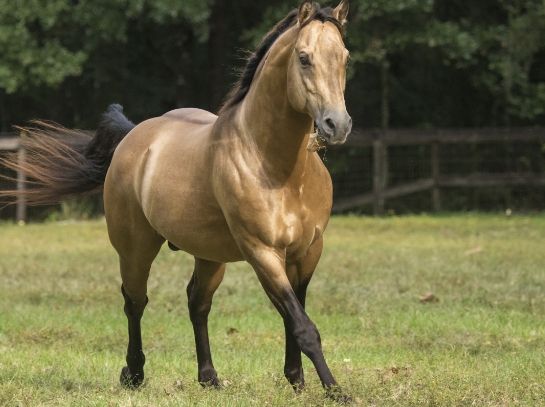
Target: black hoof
(338, 396)
(296, 378)
(129, 380)
(214, 382)
(298, 387)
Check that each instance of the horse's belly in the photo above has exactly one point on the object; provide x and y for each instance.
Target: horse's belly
(219, 247)
(196, 227)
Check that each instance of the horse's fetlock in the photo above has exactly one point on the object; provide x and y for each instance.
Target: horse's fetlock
(294, 374)
(136, 361)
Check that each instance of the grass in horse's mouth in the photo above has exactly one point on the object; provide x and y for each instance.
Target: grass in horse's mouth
(316, 140)
(320, 137)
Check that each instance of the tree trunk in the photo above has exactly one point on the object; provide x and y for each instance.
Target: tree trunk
(385, 83)
(3, 111)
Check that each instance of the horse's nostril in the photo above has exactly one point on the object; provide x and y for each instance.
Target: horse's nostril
(329, 123)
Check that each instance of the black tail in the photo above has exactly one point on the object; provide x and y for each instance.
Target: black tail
(61, 163)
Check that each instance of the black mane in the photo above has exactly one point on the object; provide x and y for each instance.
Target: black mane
(242, 86)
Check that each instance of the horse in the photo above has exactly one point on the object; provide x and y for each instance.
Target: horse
(246, 184)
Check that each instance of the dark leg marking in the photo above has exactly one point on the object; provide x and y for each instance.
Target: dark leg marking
(200, 290)
(132, 375)
(271, 272)
(308, 340)
(293, 366)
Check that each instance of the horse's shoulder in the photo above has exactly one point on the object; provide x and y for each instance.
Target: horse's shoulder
(191, 115)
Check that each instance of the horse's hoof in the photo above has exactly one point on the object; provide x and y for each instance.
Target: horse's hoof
(214, 382)
(129, 380)
(338, 396)
(298, 387)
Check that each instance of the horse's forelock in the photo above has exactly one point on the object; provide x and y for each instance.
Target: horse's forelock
(325, 15)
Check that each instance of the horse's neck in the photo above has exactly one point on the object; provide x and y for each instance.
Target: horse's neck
(269, 122)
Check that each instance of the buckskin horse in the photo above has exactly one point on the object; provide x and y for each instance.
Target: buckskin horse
(246, 184)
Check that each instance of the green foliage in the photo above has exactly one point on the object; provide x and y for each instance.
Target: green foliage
(385, 27)
(31, 52)
(510, 49)
(80, 209)
(45, 42)
(449, 63)
(272, 15)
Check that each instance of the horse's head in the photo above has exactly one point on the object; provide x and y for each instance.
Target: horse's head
(317, 71)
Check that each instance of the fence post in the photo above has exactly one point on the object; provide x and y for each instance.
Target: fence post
(380, 160)
(436, 197)
(20, 210)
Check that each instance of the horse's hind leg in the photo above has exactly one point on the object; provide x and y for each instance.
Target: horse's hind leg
(137, 245)
(299, 274)
(134, 290)
(206, 278)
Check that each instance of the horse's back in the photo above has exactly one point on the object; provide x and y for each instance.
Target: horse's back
(191, 115)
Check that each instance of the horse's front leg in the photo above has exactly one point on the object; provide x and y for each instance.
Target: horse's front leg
(299, 274)
(200, 290)
(270, 268)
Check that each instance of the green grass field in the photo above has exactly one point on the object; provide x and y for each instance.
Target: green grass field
(63, 331)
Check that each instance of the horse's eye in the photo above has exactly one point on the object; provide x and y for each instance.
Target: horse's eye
(304, 59)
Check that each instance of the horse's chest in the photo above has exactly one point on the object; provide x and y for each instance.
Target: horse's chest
(298, 237)
(298, 229)
(288, 218)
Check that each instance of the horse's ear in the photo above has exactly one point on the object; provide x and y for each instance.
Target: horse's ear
(305, 11)
(341, 11)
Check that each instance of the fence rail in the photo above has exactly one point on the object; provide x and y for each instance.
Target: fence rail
(366, 138)
(379, 141)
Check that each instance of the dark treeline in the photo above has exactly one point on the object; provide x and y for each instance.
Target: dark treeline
(415, 63)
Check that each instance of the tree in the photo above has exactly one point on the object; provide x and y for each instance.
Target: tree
(30, 51)
(384, 28)
(509, 49)
(425, 63)
(50, 45)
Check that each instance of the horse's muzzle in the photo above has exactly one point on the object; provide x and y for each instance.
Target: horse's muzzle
(335, 126)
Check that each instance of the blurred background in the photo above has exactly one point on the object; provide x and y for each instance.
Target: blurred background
(447, 96)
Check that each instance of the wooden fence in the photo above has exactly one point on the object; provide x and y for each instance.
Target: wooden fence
(10, 142)
(438, 139)
(379, 141)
